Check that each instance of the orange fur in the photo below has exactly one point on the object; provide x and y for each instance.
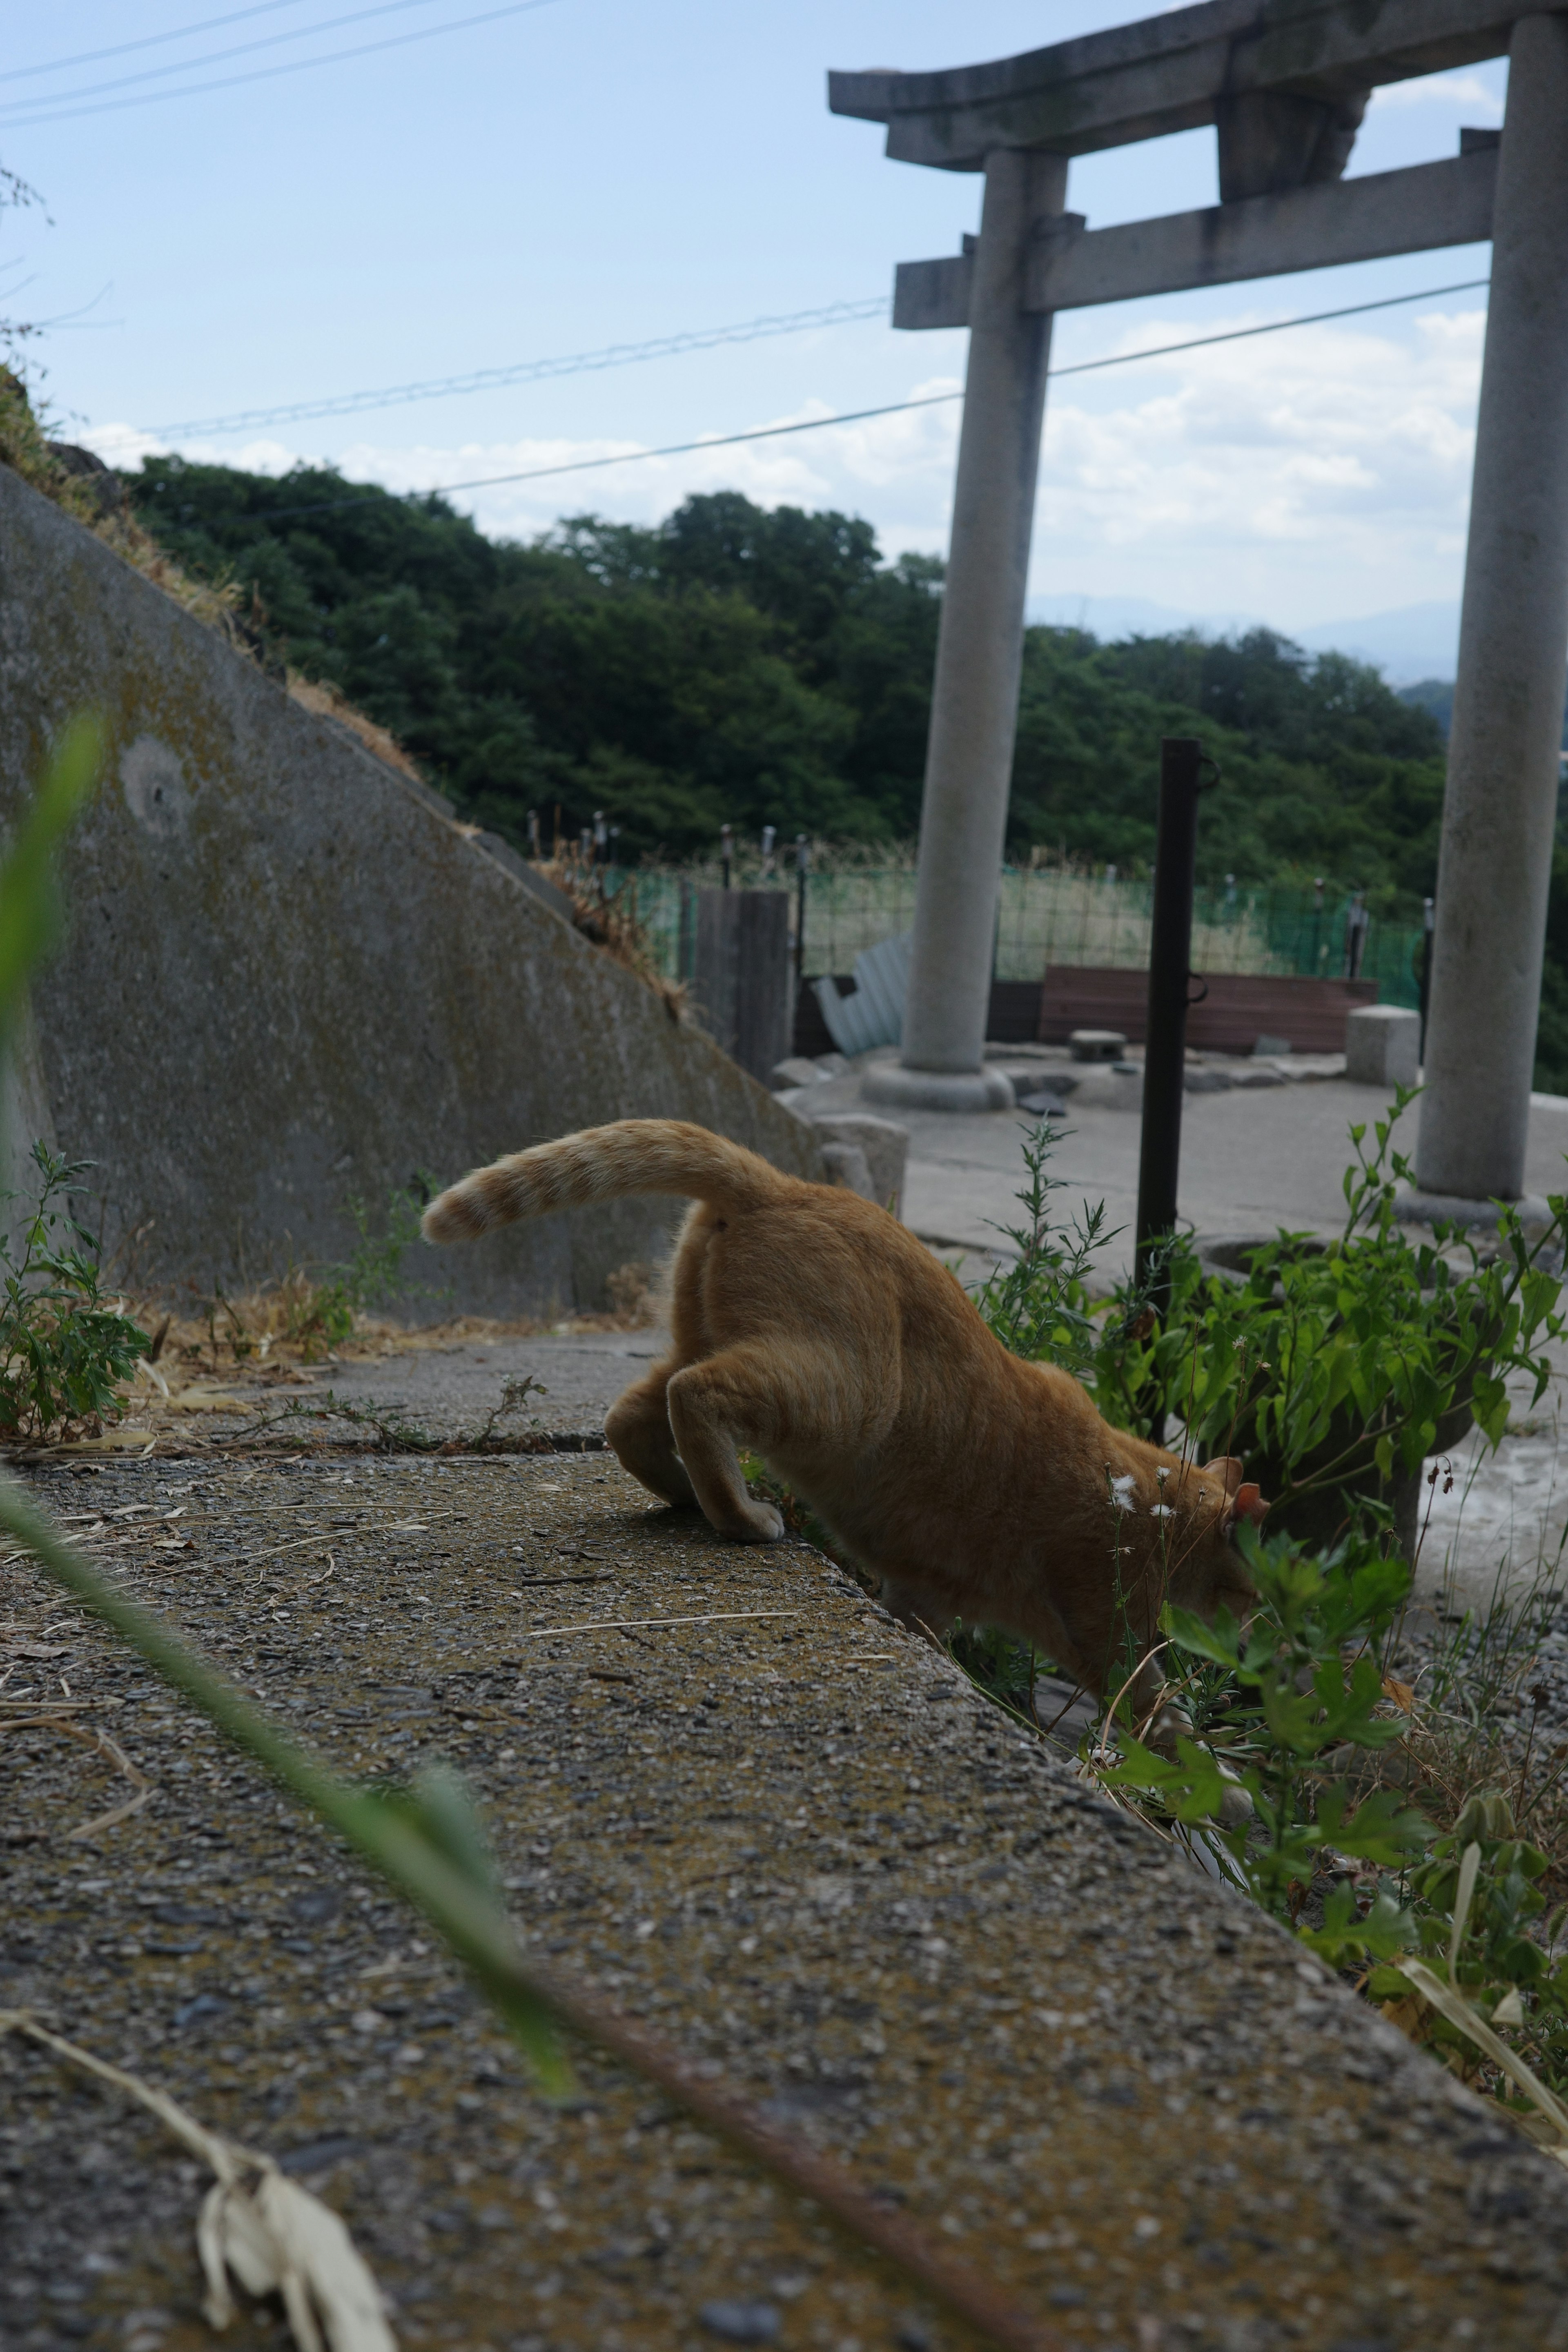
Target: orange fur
(812, 1328)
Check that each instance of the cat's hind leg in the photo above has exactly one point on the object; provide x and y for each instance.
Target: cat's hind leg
(728, 1399)
(638, 1432)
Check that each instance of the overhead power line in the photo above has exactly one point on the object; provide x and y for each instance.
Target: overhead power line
(215, 57)
(17, 121)
(849, 416)
(147, 41)
(832, 314)
(701, 339)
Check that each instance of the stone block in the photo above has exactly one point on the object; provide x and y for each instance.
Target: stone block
(795, 1070)
(884, 1144)
(291, 976)
(846, 1164)
(1118, 1086)
(1097, 1045)
(1383, 1045)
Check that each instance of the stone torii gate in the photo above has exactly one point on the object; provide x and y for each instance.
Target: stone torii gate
(1285, 84)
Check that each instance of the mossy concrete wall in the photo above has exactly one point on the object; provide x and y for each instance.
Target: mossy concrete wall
(290, 976)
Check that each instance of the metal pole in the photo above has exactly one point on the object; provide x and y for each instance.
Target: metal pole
(802, 859)
(1427, 906)
(726, 851)
(1166, 1042)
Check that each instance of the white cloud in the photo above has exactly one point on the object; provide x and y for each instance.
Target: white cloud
(1321, 471)
(1300, 476)
(1442, 89)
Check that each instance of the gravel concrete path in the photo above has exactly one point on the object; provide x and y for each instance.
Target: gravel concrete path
(794, 1843)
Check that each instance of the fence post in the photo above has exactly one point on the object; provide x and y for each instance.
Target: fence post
(741, 985)
(1165, 1046)
(802, 859)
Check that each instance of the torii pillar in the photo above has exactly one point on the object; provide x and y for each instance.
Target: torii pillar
(1500, 812)
(1285, 89)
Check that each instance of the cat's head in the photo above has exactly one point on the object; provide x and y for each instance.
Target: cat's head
(1208, 1568)
(1243, 1500)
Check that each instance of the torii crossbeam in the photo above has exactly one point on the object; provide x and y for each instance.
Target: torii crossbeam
(1285, 84)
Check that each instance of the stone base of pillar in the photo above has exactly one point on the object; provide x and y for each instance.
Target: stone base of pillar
(896, 1088)
(1449, 1209)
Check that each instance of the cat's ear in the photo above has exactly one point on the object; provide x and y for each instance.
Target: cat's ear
(1227, 1470)
(1248, 1504)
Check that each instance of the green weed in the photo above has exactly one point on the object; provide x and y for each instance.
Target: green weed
(64, 1353)
(323, 1313)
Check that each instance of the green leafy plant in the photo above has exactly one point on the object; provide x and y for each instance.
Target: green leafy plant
(1039, 1305)
(1301, 1686)
(64, 1353)
(1337, 1369)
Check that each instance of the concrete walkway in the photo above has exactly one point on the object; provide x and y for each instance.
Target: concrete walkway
(791, 1839)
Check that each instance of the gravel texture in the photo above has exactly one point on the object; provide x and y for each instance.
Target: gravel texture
(795, 1843)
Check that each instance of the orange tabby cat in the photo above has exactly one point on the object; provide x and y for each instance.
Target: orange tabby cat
(812, 1327)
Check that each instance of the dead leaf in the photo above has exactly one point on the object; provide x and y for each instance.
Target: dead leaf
(256, 2224)
(1402, 1695)
(14, 1649)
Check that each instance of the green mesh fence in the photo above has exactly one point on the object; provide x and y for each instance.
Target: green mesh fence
(1046, 917)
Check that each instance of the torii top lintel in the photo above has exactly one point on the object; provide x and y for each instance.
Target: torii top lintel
(1284, 81)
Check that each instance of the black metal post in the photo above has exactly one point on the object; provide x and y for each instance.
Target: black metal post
(1165, 1040)
(1426, 922)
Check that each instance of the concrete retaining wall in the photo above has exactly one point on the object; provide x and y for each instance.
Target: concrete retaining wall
(290, 976)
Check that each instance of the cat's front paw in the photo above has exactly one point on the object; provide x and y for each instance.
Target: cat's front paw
(759, 1523)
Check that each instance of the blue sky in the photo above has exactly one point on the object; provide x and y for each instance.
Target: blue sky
(589, 172)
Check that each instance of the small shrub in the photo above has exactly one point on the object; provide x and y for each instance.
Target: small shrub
(324, 1312)
(63, 1353)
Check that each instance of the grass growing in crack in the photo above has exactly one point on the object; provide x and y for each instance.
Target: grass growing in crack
(324, 1312)
(393, 1435)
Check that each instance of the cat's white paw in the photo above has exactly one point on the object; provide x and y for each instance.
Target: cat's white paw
(762, 1524)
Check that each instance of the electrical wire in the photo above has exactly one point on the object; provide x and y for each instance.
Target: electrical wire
(147, 41)
(832, 314)
(215, 57)
(702, 339)
(1273, 327)
(270, 73)
(849, 416)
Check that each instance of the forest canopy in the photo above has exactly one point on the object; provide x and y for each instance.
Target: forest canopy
(737, 665)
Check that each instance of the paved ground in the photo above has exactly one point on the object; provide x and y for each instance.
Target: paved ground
(448, 1390)
(1253, 1157)
(797, 1843)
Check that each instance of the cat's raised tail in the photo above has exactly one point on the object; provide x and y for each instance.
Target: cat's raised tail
(603, 1163)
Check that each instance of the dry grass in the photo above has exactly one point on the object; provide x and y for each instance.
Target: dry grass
(266, 1337)
(317, 694)
(615, 924)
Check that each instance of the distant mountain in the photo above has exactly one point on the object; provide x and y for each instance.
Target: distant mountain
(1409, 644)
(1412, 643)
(1111, 617)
